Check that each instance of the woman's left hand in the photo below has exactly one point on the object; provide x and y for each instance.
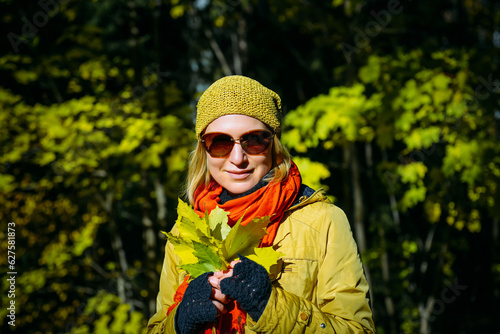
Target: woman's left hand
(248, 283)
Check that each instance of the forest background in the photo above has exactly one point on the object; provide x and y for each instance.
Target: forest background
(391, 106)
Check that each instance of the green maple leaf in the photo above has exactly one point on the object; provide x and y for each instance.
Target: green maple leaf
(266, 257)
(215, 245)
(207, 255)
(243, 239)
(207, 261)
(194, 270)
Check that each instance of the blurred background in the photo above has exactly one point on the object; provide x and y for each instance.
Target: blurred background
(391, 106)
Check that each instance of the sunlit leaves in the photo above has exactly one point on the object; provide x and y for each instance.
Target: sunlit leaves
(371, 71)
(463, 157)
(266, 257)
(217, 221)
(431, 115)
(83, 156)
(109, 314)
(209, 244)
(93, 70)
(312, 172)
(207, 260)
(413, 175)
(6, 183)
(422, 138)
(342, 115)
(242, 239)
(413, 172)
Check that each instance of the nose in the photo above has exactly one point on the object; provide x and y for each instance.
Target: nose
(237, 155)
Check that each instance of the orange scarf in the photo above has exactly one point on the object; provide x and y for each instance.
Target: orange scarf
(271, 200)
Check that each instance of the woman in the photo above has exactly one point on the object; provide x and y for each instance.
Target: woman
(241, 166)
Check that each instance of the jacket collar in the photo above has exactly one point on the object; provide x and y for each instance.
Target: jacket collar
(318, 196)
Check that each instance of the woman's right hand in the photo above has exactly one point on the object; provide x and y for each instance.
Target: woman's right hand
(200, 304)
(218, 298)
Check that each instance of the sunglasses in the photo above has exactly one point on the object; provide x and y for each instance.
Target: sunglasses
(219, 144)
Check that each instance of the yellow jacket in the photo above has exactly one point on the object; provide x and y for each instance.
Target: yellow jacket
(318, 286)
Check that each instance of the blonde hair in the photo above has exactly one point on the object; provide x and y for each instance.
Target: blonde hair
(198, 173)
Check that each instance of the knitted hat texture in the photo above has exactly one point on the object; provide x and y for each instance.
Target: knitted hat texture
(238, 95)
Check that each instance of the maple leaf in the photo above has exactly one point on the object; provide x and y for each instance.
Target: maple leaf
(192, 224)
(266, 257)
(183, 248)
(209, 243)
(217, 221)
(242, 239)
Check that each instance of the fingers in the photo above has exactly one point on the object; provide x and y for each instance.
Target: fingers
(233, 263)
(215, 280)
(220, 307)
(224, 273)
(219, 296)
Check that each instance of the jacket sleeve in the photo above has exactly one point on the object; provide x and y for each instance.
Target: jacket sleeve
(341, 305)
(170, 280)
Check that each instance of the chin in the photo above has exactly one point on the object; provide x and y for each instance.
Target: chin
(240, 188)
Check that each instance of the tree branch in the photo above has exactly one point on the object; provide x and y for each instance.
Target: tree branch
(218, 52)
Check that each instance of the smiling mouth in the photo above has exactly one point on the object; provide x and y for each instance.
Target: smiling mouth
(239, 174)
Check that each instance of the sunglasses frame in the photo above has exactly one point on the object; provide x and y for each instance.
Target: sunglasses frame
(234, 141)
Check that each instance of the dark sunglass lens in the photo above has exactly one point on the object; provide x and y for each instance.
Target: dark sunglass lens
(256, 142)
(219, 145)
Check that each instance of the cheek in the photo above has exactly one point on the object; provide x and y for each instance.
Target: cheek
(214, 164)
(264, 163)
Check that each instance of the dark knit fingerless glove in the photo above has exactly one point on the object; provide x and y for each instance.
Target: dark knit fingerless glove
(250, 286)
(196, 308)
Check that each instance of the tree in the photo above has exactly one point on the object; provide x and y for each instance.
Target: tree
(392, 107)
(425, 141)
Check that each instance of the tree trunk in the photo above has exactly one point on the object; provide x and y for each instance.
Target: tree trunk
(425, 314)
(117, 245)
(149, 244)
(384, 259)
(358, 205)
(134, 44)
(346, 181)
(357, 199)
(157, 54)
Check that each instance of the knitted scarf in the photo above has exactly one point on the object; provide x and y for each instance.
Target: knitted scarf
(272, 200)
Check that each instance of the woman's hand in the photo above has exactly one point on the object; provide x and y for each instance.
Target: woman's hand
(197, 307)
(218, 298)
(246, 282)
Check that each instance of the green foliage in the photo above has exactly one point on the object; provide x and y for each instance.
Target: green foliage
(417, 114)
(332, 119)
(96, 128)
(312, 172)
(106, 313)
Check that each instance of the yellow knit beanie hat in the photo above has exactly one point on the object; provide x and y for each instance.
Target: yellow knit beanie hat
(239, 95)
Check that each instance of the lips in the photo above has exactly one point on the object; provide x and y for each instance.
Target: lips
(239, 175)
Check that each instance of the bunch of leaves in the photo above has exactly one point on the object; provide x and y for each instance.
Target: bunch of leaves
(210, 244)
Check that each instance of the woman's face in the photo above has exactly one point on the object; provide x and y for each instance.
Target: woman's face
(238, 171)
